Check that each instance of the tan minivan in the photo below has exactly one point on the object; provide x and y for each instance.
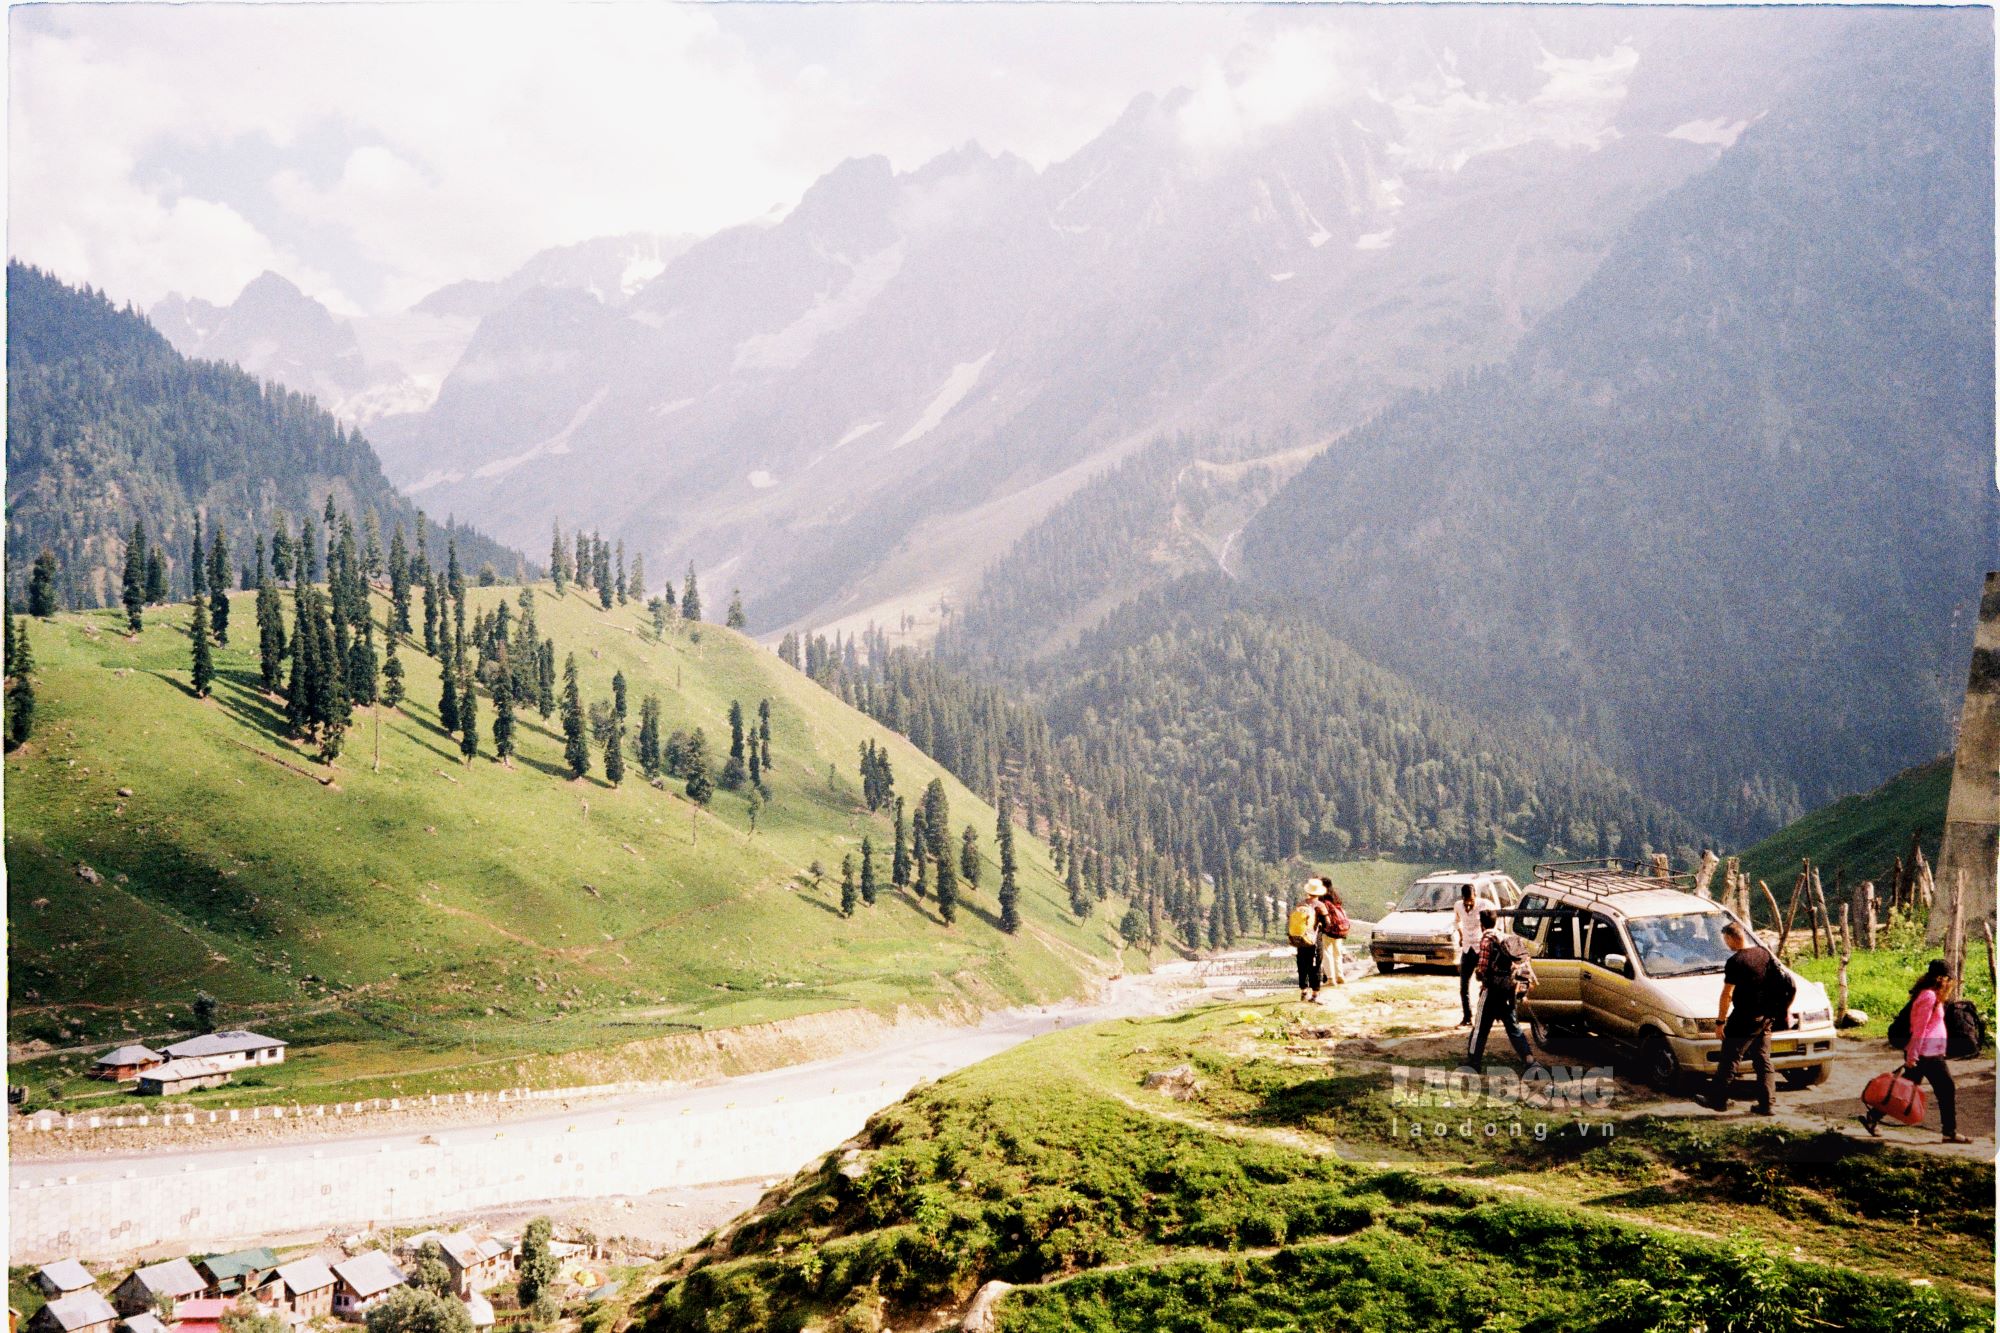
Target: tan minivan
(1623, 956)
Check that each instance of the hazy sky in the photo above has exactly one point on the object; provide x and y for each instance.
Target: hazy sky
(373, 152)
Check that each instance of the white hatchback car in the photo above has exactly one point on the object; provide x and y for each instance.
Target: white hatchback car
(1418, 931)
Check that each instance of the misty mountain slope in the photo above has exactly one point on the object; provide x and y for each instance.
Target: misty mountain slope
(824, 407)
(1727, 509)
(371, 366)
(107, 423)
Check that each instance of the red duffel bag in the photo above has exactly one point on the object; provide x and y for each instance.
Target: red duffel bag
(1896, 1097)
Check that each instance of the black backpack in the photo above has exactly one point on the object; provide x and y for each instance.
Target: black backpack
(1779, 992)
(1899, 1029)
(1964, 1030)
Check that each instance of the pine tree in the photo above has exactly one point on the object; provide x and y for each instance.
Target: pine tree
(559, 562)
(700, 786)
(305, 565)
(545, 679)
(468, 719)
(431, 615)
(399, 584)
(620, 575)
(649, 737)
(919, 858)
(1079, 901)
(947, 890)
(197, 562)
(734, 773)
(614, 751)
(204, 664)
(868, 871)
(847, 887)
(968, 857)
(270, 633)
(371, 548)
(218, 584)
(736, 620)
(135, 577)
(448, 702)
(363, 675)
(576, 746)
(618, 694)
(282, 552)
(299, 690)
(21, 699)
(156, 577)
(764, 732)
(690, 597)
(392, 681)
(756, 772)
(602, 561)
(1010, 889)
(937, 821)
(899, 862)
(635, 582)
(42, 600)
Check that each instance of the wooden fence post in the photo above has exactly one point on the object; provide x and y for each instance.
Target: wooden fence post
(1846, 952)
(1954, 939)
(1991, 979)
(1777, 917)
(1792, 907)
(1868, 913)
(1704, 875)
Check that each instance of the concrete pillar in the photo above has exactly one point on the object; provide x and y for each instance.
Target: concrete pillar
(1971, 845)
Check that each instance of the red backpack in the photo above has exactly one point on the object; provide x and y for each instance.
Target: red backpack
(1338, 926)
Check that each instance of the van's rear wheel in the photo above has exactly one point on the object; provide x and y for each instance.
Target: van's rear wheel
(1807, 1076)
(1657, 1064)
(1384, 966)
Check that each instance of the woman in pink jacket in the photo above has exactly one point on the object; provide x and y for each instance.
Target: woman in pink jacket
(1923, 1058)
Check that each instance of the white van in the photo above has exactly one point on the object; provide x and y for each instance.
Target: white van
(1623, 956)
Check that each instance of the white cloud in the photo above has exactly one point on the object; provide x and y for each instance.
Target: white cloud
(1266, 84)
(374, 152)
(1446, 123)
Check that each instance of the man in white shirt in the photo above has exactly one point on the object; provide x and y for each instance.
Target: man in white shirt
(1465, 932)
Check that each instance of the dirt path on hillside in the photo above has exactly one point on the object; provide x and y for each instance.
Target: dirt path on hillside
(1412, 1017)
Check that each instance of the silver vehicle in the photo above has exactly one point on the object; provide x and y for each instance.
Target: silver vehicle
(1624, 956)
(1418, 931)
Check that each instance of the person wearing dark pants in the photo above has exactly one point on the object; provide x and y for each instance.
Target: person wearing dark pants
(1465, 931)
(1500, 993)
(1923, 1057)
(1745, 1021)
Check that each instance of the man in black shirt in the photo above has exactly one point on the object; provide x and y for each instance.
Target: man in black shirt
(1744, 1020)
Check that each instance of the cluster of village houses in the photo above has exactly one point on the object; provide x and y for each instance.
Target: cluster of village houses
(183, 1296)
(206, 1061)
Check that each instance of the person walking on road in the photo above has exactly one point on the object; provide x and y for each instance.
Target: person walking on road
(1465, 935)
(1744, 1017)
(1306, 928)
(1923, 1057)
(1505, 975)
(1333, 932)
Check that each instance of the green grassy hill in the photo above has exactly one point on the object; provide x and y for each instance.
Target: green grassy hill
(436, 925)
(1860, 835)
(1291, 1190)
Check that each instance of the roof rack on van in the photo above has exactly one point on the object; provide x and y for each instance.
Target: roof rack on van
(1606, 875)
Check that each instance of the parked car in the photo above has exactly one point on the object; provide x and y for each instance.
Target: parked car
(1636, 960)
(1418, 931)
